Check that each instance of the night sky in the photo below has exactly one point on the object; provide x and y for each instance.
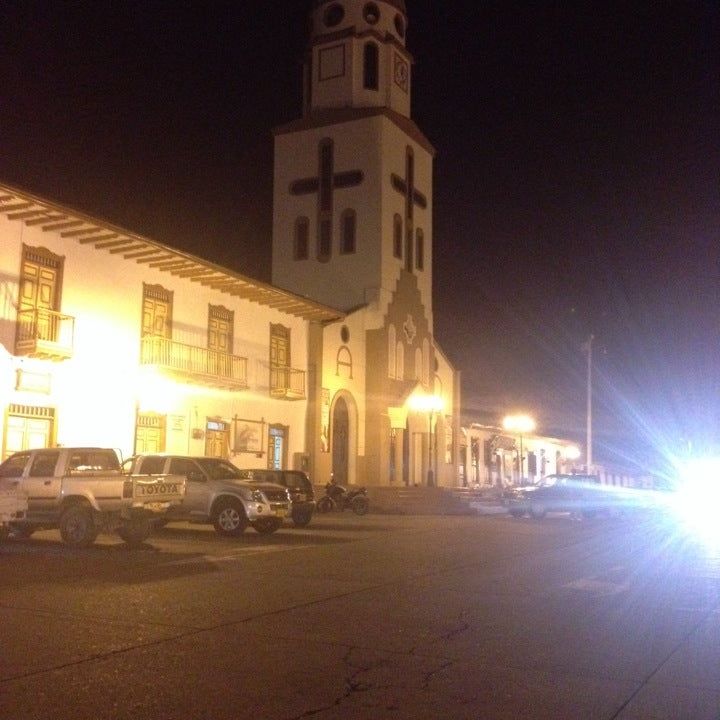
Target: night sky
(576, 181)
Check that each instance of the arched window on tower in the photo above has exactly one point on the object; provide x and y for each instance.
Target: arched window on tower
(400, 362)
(302, 236)
(371, 66)
(392, 351)
(426, 361)
(397, 236)
(348, 224)
(418, 364)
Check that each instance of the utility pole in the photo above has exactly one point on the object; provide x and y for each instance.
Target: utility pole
(589, 403)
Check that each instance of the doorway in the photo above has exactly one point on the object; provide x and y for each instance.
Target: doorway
(28, 427)
(150, 433)
(277, 447)
(217, 439)
(340, 437)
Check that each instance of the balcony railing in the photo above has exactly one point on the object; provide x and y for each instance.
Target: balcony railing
(44, 333)
(286, 382)
(195, 364)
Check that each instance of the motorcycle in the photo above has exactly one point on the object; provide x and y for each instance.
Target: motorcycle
(340, 498)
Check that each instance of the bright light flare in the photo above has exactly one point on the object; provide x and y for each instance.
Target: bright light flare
(426, 403)
(571, 452)
(519, 423)
(697, 498)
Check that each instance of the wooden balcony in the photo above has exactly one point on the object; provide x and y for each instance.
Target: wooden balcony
(43, 333)
(287, 383)
(193, 364)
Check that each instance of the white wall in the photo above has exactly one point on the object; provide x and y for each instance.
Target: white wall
(98, 390)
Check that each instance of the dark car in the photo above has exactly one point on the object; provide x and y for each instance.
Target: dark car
(299, 487)
(562, 493)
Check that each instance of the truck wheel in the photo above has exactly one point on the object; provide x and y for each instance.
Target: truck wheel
(301, 519)
(267, 526)
(136, 530)
(77, 526)
(230, 518)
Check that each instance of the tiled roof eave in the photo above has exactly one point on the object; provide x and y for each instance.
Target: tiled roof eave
(34, 211)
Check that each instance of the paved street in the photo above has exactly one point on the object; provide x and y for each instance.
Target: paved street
(366, 617)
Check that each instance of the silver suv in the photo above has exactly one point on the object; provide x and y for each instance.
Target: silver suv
(215, 492)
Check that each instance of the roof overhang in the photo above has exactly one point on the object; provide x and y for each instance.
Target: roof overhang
(34, 211)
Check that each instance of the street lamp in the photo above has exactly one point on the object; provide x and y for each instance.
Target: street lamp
(430, 404)
(520, 424)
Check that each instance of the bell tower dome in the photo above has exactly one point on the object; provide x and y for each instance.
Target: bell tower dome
(356, 57)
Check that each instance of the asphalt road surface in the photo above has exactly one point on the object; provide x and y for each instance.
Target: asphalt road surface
(366, 617)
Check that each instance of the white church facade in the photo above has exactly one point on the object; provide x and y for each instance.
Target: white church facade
(110, 338)
(353, 229)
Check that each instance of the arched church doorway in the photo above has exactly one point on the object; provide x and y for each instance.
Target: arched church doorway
(343, 438)
(340, 437)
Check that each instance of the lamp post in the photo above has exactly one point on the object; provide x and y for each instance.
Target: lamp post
(588, 448)
(430, 404)
(520, 424)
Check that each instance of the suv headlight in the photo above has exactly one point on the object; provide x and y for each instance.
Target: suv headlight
(252, 495)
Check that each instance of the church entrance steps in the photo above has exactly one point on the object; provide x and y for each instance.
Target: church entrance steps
(421, 500)
(410, 500)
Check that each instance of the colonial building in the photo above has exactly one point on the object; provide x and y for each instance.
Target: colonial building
(110, 338)
(353, 229)
(492, 456)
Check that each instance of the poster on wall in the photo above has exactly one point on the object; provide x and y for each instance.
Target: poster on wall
(325, 420)
(248, 435)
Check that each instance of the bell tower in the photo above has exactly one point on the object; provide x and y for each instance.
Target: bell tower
(357, 57)
(353, 176)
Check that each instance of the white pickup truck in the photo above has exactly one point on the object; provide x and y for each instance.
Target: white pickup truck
(13, 506)
(83, 491)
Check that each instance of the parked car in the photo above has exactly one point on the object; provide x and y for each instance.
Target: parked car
(82, 491)
(299, 486)
(216, 493)
(563, 493)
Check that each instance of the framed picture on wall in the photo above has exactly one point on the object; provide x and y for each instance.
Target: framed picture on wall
(248, 435)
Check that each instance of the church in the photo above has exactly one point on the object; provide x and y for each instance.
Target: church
(110, 338)
(353, 229)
